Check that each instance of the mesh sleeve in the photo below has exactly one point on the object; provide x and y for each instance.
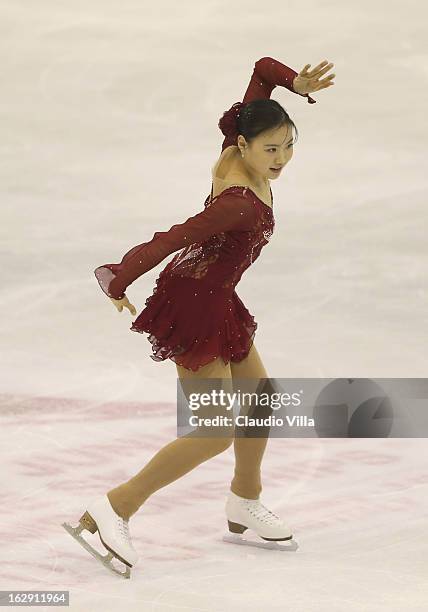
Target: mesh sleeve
(231, 211)
(268, 73)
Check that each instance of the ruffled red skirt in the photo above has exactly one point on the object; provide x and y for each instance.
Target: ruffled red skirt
(192, 323)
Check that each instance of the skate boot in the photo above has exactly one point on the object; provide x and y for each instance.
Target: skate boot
(243, 513)
(113, 532)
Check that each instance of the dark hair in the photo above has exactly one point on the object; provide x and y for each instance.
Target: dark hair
(261, 115)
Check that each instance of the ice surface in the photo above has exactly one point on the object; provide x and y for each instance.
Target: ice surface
(109, 131)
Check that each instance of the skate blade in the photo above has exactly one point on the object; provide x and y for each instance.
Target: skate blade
(235, 538)
(105, 559)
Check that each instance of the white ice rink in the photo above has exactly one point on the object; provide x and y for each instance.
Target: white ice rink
(109, 132)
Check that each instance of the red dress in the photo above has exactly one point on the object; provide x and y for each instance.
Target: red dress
(194, 313)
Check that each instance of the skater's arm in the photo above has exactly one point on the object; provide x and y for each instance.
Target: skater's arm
(267, 74)
(231, 211)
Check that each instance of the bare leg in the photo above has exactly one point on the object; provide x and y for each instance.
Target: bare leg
(176, 458)
(249, 451)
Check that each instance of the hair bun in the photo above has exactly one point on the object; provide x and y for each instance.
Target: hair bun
(227, 122)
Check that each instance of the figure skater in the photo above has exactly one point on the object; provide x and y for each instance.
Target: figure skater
(194, 316)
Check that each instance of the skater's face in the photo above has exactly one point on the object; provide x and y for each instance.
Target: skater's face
(270, 149)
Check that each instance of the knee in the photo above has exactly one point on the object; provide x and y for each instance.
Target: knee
(215, 446)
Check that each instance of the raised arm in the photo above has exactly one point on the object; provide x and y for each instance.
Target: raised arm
(231, 211)
(267, 74)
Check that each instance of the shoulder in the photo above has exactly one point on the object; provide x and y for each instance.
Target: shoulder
(237, 205)
(225, 162)
(227, 172)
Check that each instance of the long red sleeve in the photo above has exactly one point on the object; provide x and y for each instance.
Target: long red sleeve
(231, 211)
(267, 74)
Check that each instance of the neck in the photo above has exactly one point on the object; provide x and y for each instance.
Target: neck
(257, 180)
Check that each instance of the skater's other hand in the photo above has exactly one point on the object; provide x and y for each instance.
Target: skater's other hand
(307, 81)
(124, 302)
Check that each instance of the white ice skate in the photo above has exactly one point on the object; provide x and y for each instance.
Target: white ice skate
(113, 532)
(251, 514)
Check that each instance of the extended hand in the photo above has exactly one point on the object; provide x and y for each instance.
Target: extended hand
(124, 302)
(307, 81)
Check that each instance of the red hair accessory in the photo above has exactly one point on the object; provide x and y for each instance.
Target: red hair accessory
(228, 122)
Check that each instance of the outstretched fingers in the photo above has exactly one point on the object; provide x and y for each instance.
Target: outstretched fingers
(318, 71)
(327, 82)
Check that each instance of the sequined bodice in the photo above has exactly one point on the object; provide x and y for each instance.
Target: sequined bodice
(223, 258)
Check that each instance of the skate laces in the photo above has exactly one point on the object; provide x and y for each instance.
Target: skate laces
(123, 529)
(260, 512)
